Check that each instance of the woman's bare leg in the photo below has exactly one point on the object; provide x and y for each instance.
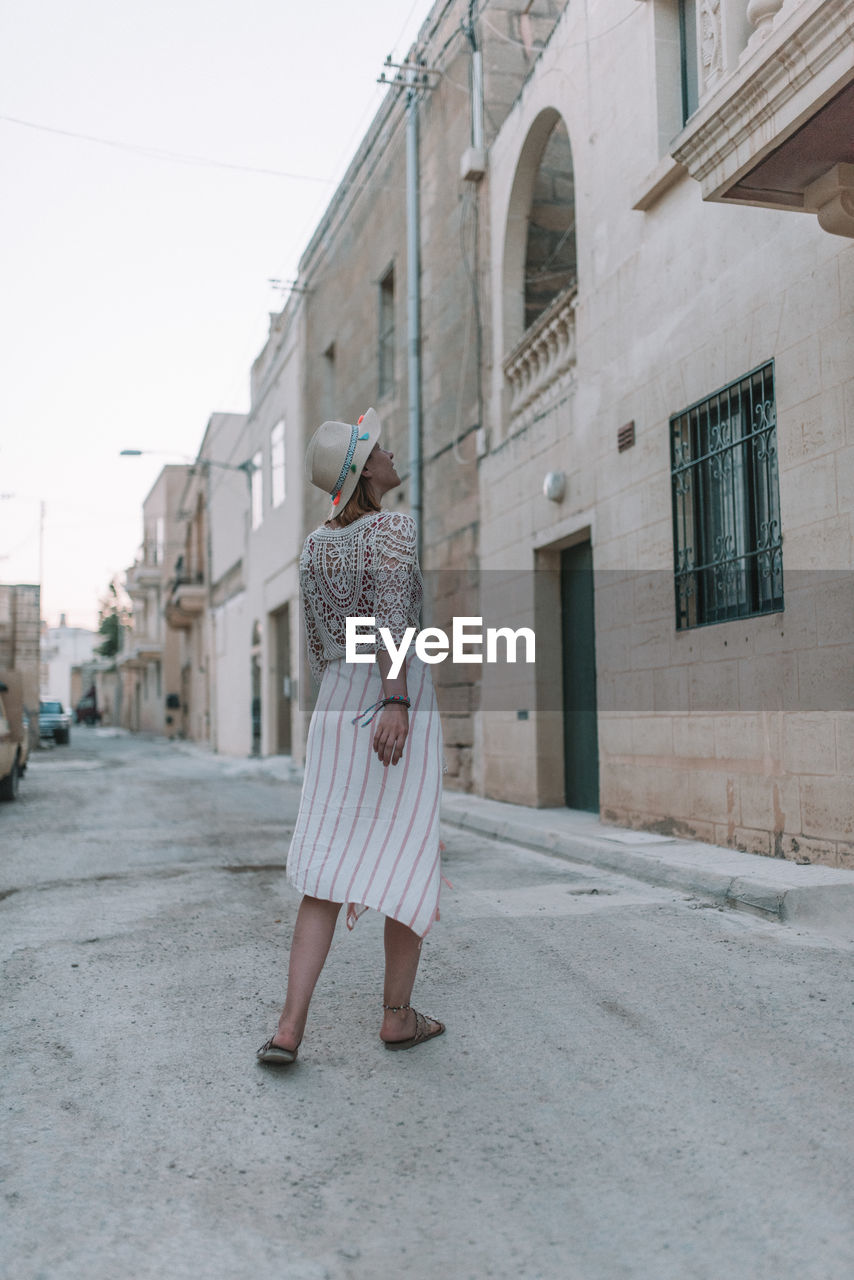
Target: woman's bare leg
(315, 925)
(402, 953)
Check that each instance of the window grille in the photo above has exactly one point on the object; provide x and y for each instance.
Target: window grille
(726, 504)
(386, 334)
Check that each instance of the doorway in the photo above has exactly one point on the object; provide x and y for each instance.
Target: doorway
(282, 675)
(580, 728)
(255, 655)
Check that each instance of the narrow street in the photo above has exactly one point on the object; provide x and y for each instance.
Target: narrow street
(632, 1084)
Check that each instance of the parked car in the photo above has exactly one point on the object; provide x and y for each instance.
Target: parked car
(13, 735)
(54, 721)
(27, 739)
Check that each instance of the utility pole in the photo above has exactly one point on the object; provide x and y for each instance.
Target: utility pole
(413, 306)
(414, 77)
(41, 555)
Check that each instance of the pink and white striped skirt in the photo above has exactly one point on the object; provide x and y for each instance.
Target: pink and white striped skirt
(365, 834)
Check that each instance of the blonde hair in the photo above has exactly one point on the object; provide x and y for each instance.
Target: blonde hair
(360, 503)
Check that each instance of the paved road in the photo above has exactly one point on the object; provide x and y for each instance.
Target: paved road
(632, 1084)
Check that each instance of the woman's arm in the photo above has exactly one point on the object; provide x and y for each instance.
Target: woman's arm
(395, 567)
(393, 721)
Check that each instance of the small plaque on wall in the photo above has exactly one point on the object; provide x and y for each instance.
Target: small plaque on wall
(625, 437)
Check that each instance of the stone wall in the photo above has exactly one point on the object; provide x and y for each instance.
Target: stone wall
(738, 733)
(362, 236)
(20, 637)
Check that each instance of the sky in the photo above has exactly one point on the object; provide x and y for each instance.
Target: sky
(135, 284)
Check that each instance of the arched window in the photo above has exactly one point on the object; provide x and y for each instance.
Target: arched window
(539, 245)
(550, 256)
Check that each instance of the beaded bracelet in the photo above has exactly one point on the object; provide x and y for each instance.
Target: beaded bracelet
(370, 712)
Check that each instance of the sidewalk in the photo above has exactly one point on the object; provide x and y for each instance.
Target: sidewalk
(814, 897)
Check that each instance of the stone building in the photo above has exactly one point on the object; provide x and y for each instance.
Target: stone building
(150, 662)
(359, 312)
(670, 436)
(341, 343)
(210, 512)
(629, 398)
(608, 329)
(273, 629)
(63, 649)
(20, 638)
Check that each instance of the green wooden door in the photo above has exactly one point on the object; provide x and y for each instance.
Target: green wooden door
(283, 681)
(580, 734)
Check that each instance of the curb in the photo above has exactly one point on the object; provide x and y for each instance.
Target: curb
(814, 897)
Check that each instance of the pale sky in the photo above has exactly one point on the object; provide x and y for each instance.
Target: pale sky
(135, 288)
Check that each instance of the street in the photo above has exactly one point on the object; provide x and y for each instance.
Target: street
(632, 1084)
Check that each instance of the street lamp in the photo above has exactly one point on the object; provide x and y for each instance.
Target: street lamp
(163, 453)
(248, 467)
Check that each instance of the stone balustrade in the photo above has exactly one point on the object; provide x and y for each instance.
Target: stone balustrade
(761, 14)
(545, 354)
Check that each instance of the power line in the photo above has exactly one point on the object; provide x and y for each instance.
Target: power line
(161, 153)
(415, 5)
(577, 44)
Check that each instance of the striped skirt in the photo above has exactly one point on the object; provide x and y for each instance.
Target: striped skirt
(367, 834)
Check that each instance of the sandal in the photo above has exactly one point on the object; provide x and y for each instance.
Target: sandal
(422, 1029)
(276, 1054)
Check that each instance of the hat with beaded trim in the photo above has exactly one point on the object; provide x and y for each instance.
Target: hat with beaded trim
(336, 454)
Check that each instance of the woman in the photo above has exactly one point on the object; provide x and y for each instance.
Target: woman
(367, 832)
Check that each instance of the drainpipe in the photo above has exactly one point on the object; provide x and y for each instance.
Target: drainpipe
(476, 98)
(413, 308)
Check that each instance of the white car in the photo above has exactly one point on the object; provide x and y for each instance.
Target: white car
(54, 721)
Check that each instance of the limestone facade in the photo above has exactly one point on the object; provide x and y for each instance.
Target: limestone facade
(20, 638)
(64, 648)
(272, 441)
(187, 604)
(738, 732)
(604, 286)
(355, 270)
(150, 662)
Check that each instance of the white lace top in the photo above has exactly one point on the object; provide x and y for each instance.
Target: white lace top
(368, 569)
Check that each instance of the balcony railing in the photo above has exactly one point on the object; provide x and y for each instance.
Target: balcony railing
(539, 363)
(773, 125)
(143, 574)
(187, 600)
(139, 652)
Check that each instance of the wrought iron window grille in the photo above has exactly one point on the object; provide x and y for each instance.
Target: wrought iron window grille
(728, 552)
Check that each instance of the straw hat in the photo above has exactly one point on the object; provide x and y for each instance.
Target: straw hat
(336, 454)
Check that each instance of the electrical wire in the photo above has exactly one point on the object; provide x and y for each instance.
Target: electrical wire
(161, 153)
(370, 111)
(406, 22)
(542, 273)
(34, 533)
(577, 44)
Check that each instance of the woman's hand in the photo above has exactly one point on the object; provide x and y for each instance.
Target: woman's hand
(391, 732)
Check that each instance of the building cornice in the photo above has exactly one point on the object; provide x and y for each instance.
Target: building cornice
(781, 80)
